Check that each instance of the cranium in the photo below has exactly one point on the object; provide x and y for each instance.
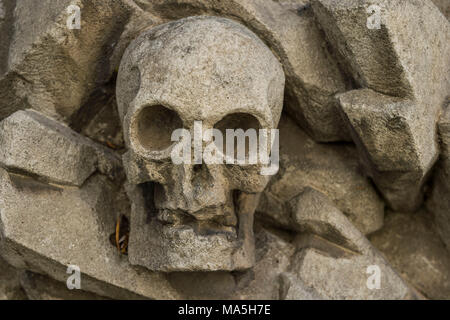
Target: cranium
(190, 217)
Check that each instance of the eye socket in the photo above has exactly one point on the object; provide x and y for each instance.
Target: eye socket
(154, 127)
(236, 121)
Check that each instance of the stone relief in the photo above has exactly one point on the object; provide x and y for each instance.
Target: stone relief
(88, 117)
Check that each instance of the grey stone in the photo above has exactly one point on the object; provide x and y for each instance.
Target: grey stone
(444, 6)
(439, 201)
(393, 144)
(99, 119)
(273, 256)
(39, 287)
(407, 57)
(40, 146)
(288, 27)
(217, 285)
(346, 278)
(140, 19)
(333, 258)
(6, 22)
(10, 288)
(51, 68)
(293, 288)
(416, 252)
(333, 255)
(331, 169)
(61, 193)
(184, 247)
(313, 212)
(207, 69)
(264, 281)
(45, 228)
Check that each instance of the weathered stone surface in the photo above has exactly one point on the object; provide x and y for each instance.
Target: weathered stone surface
(273, 254)
(218, 285)
(140, 19)
(6, 22)
(292, 288)
(40, 146)
(346, 278)
(312, 76)
(99, 119)
(439, 200)
(335, 272)
(313, 212)
(51, 68)
(10, 288)
(45, 228)
(199, 69)
(416, 252)
(61, 194)
(39, 287)
(444, 6)
(393, 144)
(333, 257)
(330, 169)
(407, 57)
(183, 247)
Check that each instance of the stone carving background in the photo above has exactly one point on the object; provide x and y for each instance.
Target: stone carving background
(364, 174)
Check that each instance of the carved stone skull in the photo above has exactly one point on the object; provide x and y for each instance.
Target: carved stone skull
(194, 217)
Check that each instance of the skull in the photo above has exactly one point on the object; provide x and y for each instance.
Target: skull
(194, 217)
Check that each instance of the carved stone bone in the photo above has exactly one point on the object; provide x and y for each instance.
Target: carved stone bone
(194, 217)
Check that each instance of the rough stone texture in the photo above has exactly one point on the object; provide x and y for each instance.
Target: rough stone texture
(416, 252)
(313, 212)
(439, 200)
(203, 285)
(273, 253)
(99, 118)
(289, 29)
(42, 147)
(292, 288)
(332, 170)
(45, 228)
(10, 288)
(333, 255)
(345, 278)
(262, 282)
(184, 247)
(392, 143)
(62, 195)
(139, 20)
(39, 287)
(205, 69)
(444, 6)
(6, 21)
(409, 58)
(51, 68)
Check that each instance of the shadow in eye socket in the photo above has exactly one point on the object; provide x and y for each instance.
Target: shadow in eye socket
(237, 121)
(155, 125)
